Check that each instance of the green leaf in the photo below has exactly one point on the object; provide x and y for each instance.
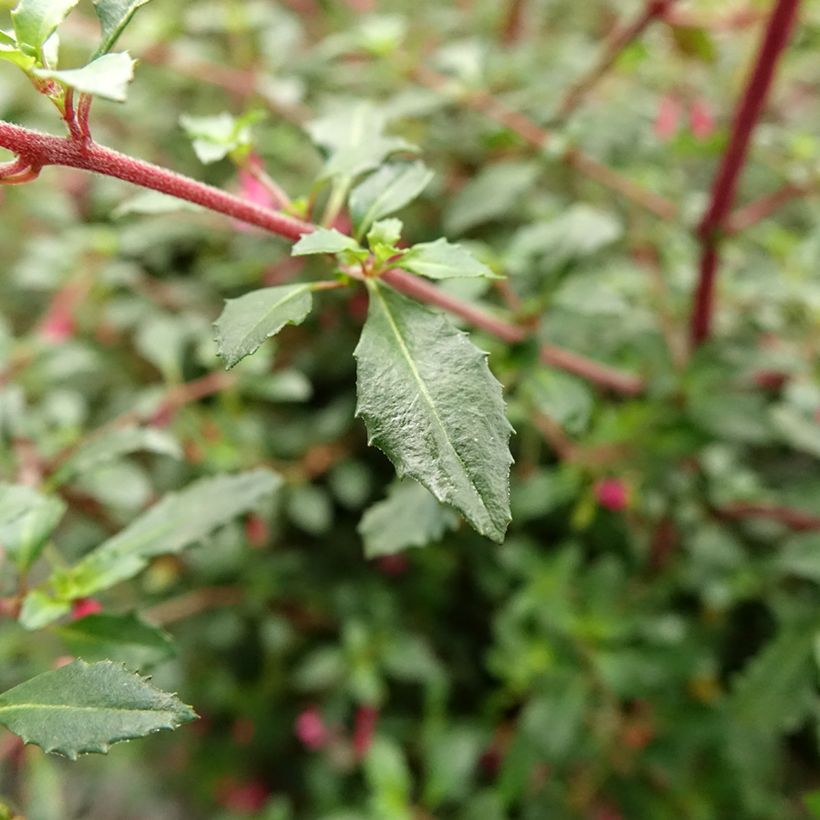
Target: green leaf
(36, 20)
(353, 137)
(108, 76)
(83, 708)
(386, 191)
(111, 445)
(409, 517)
(122, 638)
(114, 16)
(27, 519)
(443, 260)
(176, 522)
(217, 136)
(324, 240)
(430, 402)
(386, 232)
(246, 322)
(389, 779)
(14, 55)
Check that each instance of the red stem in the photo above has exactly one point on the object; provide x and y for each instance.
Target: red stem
(793, 519)
(724, 188)
(760, 209)
(39, 150)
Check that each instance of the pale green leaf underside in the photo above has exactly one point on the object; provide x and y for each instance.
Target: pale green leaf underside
(171, 525)
(408, 517)
(386, 191)
(430, 403)
(27, 518)
(123, 638)
(112, 445)
(443, 260)
(323, 240)
(248, 321)
(83, 708)
(114, 16)
(36, 20)
(108, 76)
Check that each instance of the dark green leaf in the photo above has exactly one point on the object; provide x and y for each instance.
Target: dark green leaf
(431, 404)
(36, 20)
(83, 708)
(114, 16)
(27, 519)
(246, 322)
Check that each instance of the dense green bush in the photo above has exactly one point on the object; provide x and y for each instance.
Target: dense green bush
(643, 640)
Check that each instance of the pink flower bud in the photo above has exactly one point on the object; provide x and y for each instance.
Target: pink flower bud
(666, 122)
(249, 797)
(83, 607)
(256, 531)
(701, 120)
(612, 494)
(58, 326)
(311, 729)
(366, 717)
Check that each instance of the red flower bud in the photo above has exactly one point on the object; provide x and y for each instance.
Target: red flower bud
(612, 494)
(83, 607)
(666, 122)
(310, 728)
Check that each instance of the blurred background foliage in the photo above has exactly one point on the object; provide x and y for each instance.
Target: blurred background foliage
(641, 646)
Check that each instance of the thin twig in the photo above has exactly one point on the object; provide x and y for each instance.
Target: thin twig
(724, 188)
(797, 520)
(616, 43)
(762, 208)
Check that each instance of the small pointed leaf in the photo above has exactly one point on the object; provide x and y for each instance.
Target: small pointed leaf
(443, 260)
(114, 16)
(108, 76)
(83, 708)
(246, 322)
(324, 240)
(36, 20)
(430, 402)
(386, 191)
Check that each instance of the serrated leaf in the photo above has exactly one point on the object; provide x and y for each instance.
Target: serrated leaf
(409, 517)
(27, 519)
(430, 402)
(248, 321)
(36, 20)
(83, 708)
(386, 191)
(108, 76)
(443, 260)
(176, 522)
(112, 445)
(123, 638)
(324, 240)
(114, 16)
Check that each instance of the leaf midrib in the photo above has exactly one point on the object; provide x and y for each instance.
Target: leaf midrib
(297, 290)
(426, 395)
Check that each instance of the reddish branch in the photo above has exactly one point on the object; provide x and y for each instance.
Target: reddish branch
(39, 150)
(764, 207)
(724, 188)
(793, 519)
(36, 150)
(624, 383)
(617, 42)
(538, 137)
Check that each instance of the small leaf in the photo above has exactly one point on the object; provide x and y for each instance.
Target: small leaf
(14, 55)
(83, 708)
(217, 136)
(430, 402)
(114, 16)
(353, 137)
(113, 444)
(27, 519)
(324, 240)
(443, 260)
(171, 525)
(386, 232)
(36, 20)
(386, 191)
(246, 322)
(408, 517)
(122, 638)
(108, 76)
